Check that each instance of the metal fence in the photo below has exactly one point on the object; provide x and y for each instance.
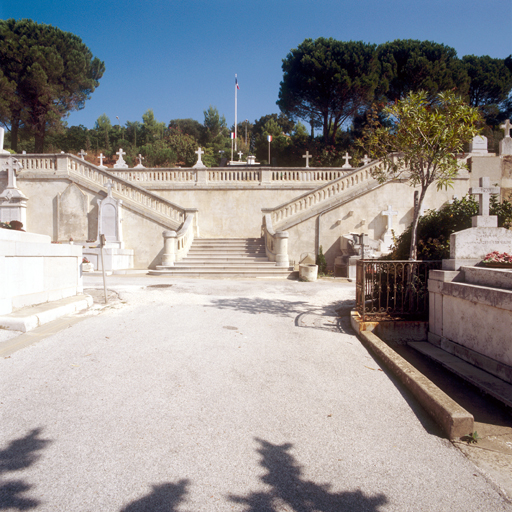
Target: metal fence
(393, 288)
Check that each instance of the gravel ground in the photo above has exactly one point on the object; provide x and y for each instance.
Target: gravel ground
(212, 395)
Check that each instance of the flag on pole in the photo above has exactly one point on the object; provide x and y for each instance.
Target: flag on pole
(269, 138)
(236, 83)
(232, 135)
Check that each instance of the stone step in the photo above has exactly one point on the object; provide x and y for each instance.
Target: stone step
(226, 257)
(226, 265)
(488, 383)
(278, 272)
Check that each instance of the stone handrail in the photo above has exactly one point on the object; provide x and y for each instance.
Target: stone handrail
(177, 244)
(276, 243)
(233, 174)
(307, 175)
(156, 175)
(126, 190)
(247, 175)
(358, 180)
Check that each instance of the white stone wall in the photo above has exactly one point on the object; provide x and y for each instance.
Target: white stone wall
(33, 270)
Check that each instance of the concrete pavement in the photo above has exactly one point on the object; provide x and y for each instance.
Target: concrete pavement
(206, 395)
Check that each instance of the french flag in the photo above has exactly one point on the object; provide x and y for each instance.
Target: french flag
(236, 83)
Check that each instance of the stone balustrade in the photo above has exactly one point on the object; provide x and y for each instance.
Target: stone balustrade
(126, 190)
(177, 244)
(351, 182)
(276, 243)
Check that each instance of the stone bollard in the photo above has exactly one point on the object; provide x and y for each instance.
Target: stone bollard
(281, 248)
(169, 256)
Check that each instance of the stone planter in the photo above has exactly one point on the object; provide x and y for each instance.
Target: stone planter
(497, 264)
(308, 272)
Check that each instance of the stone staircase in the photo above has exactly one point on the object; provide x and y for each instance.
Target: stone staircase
(225, 257)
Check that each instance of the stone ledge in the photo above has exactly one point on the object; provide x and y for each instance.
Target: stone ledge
(494, 297)
(500, 370)
(454, 420)
(29, 318)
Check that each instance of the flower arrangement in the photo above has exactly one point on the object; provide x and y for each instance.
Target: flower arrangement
(497, 259)
(85, 260)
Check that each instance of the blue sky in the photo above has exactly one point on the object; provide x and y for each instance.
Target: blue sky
(177, 57)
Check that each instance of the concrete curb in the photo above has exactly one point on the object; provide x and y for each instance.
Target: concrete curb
(454, 420)
(31, 317)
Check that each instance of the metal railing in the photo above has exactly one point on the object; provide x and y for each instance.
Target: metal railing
(393, 288)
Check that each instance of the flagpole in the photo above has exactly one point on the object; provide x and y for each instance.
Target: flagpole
(236, 88)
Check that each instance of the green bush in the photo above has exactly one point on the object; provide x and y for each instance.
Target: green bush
(320, 261)
(435, 228)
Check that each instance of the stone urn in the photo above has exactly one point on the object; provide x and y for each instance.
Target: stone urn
(308, 272)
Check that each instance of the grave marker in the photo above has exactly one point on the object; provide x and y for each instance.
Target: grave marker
(307, 156)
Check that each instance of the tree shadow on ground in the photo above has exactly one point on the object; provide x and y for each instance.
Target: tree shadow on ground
(282, 308)
(163, 498)
(290, 492)
(19, 454)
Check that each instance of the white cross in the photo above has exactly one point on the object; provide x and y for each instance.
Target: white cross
(347, 158)
(199, 152)
(82, 154)
(121, 153)
(11, 165)
(484, 192)
(101, 157)
(506, 126)
(389, 213)
(366, 160)
(239, 156)
(307, 156)
(140, 158)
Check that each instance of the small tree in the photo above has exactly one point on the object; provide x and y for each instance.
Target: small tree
(422, 144)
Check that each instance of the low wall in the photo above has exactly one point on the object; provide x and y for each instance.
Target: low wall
(33, 270)
(471, 316)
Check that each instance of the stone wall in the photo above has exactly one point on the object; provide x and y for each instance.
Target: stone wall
(33, 270)
(471, 316)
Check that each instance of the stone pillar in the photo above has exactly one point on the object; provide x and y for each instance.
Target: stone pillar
(281, 249)
(202, 176)
(266, 176)
(169, 256)
(62, 163)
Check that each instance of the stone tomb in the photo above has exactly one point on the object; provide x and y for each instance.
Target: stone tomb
(469, 247)
(115, 256)
(72, 208)
(13, 202)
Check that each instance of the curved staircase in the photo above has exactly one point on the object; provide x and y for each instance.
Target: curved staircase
(225, 257)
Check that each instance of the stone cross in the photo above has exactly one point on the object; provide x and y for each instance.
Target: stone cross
(506, 127)
(121, 164)
(347, 165)
(140, 158)
(366, 160)
(307, 156)
(199, 162)
(239, 156)
(101, 157)
(389, 213)
(484, 191)
(12, 165)
(82, 154)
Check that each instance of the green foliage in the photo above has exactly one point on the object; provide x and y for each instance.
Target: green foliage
(491, 80)
(408, 66)
(423, 142)
(54, 73)
(321, 262)
(328, 82)
(435, 227)
(158, 154)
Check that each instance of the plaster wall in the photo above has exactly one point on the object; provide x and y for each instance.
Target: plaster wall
(229, 213)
